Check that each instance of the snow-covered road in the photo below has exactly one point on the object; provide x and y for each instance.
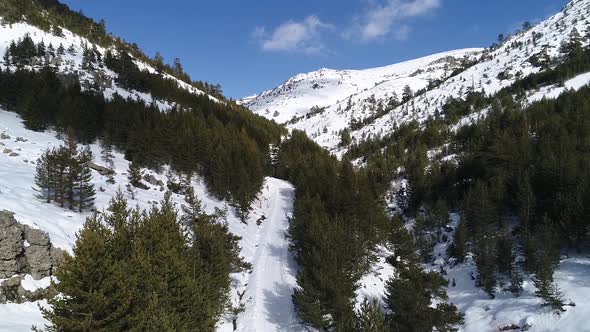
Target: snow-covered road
(270, 285)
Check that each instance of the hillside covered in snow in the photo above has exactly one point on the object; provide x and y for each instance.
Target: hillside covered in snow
(369, 103)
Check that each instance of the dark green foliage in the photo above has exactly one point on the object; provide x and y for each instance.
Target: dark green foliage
(504, 256)
(224, 143)
(485, 258)
(516, 280)
(63, 176)
(370, 317)
(134, 175)
(458, 249)
(139, 272)
(336, 222)
(547, 259)
(409, 297)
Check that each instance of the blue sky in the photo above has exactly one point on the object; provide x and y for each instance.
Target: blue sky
(250, 46)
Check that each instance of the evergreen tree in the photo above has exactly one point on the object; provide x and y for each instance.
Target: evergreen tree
(516, 280)
(42, 177)
(410, 296)
(485, 258)
(458, 249)
(134, 175)
(370, 317)
(63, 176)
(546, 263)
(84, 187)
(407, 94)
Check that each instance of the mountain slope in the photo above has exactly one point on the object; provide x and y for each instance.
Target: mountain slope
(352, 106)
(327, 87)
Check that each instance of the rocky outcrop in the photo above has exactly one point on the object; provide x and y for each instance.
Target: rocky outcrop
(24, 250)
(12, 290)
(152, 180)
(101, 169)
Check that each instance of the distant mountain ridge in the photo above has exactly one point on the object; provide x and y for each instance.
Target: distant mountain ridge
(356, 101)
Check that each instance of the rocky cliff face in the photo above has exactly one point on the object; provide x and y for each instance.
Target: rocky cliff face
(24, 250)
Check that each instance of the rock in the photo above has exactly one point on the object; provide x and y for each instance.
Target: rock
(11, 290)
(152, 180)
(21, 139)
(7, 151)
(12, 259)
(13, 154)
(25, 250)
(510, 327)
(4, 136)
(101, 169)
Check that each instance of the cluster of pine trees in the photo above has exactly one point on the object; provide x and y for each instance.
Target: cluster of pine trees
(224, 143)
(338, 219)
(63, 176)
(140, 271)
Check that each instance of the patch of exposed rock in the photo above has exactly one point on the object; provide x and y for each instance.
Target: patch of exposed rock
(23, 250)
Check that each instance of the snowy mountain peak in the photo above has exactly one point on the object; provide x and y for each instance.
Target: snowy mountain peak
(361, 100)
(326, 87)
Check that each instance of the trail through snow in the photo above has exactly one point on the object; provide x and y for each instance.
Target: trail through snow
(268, 289)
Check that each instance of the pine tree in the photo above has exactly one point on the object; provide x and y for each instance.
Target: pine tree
(134, 175)
(84, 187)
(106, 152)
(546, 263)
(42, 177)
(63, 175)
(504, 256)
(458, 249)
(516, 280)
(407, 94)
(485, 258)
(86, 307)
(370, 317)
(410, 296)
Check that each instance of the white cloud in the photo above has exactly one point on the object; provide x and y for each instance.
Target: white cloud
(292, 36)
(388, 18)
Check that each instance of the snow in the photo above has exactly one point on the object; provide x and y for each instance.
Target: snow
(483, 314)
(372, 284)
(21, 317)
(553, 91)
(267, 291)
(29, 283)
(268, 288)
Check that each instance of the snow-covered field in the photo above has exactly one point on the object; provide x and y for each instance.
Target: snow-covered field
(483, 314)
(267, 289)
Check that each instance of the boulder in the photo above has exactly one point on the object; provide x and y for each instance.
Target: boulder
(152, 180)
(101, 169)
(25, 250)
(11, 290)
(12, 258)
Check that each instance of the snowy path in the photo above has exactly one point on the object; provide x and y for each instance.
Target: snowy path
(268, 292)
